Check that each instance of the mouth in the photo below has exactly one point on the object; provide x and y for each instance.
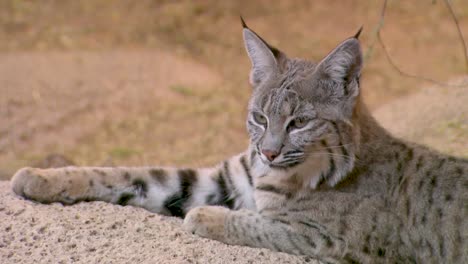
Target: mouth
(279, 165)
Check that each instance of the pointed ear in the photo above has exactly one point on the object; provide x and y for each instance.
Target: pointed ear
(343, 66)
(336, 80)
(266, 60)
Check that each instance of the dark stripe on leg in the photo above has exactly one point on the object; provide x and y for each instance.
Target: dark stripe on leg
(226, 199)
(126, 176)
(141, 187)
(175, 204)
(188, 178)
(311, 225)
(273, 189)
(246, 169)
(125, 198)
(227, 174)
(211, 199)
(159, 175)
(291, 238)
(309, 241)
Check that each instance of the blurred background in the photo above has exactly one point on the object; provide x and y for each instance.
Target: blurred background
(165, 82)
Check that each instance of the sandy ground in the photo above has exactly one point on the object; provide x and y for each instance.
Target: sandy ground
(435, 116)
(103, 233)
(50, 102)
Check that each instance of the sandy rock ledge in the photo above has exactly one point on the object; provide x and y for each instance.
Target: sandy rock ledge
(103, 233)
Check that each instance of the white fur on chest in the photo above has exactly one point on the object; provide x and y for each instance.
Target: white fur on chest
(303, 177)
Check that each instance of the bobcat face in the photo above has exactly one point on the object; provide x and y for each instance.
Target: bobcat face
(299, 108)
(283, 125)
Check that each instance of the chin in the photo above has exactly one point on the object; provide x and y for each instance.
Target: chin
(283, 166)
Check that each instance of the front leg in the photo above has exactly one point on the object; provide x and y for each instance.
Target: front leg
(170, 191)
(147, 187)
(330, 226)
(248, 228)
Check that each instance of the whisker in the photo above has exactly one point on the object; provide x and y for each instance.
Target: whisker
(330, 154)
(338, 146)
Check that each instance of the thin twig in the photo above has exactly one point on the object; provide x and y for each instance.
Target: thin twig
(395, 66)
(375, 32)
(460, 34)
(409, 75)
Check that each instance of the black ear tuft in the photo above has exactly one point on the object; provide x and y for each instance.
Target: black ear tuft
(276, 52)
(244, 25)
(356, 36)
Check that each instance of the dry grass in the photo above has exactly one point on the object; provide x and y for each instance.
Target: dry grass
(170, 127)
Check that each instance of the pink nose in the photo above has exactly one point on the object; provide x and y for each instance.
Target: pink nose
(270, 154)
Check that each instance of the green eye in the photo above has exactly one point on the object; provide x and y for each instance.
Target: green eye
(299, 122)
(259, 118)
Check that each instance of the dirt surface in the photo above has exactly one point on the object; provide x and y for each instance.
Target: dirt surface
(435, 116)
(52, 101)
(102, 233)
(420, 35)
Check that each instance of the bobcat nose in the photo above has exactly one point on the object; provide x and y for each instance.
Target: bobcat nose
(270, 154)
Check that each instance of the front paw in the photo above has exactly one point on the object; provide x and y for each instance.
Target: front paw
(31, 184)
(27, 183)
(207, 221)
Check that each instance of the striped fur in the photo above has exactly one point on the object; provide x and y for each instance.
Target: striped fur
(168, 191)
(340, 188)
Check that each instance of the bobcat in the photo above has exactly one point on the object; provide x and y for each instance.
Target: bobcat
(319, 178)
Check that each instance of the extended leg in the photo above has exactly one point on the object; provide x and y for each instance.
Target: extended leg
(168, 191)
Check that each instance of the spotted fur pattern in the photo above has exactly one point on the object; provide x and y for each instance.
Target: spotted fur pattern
(338, 187)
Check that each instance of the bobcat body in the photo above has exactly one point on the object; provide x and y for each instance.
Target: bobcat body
(320, 177)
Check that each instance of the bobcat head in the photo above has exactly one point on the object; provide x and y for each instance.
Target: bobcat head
(300, 108)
